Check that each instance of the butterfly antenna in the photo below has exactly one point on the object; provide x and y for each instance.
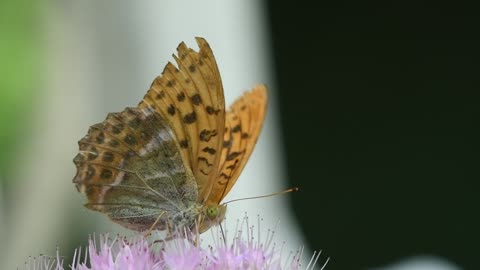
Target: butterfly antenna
(295, 189)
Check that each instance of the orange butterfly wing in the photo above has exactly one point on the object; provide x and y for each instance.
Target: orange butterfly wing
(138, 163)
(244, 122)
(191, 98)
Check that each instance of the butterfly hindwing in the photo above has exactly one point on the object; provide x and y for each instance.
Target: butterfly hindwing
(130, 168)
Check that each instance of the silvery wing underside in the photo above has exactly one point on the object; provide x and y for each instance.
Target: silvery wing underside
(130, 168)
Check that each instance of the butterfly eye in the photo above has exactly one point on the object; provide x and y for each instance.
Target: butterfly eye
(212, 212)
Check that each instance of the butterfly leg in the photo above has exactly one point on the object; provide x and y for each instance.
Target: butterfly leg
(154, 224)
(196, 240)
(223, 234)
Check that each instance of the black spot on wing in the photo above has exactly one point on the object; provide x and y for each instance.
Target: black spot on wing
(196, 99)
(184, 143)
(236, 129)
(205, 160)
(231, 167)
(181, 97)
(100, 138)
(160, 95)
(233, 155)
(106, 173)
(211, 110)
(117, 129)
(206, 135)
(129, 139)
(227, 144)
(171, 110)
(224, 176)
(190, 118)
(114, 143)
(209, 150)
(134, 123)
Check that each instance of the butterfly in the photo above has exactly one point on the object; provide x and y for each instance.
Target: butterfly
(170, 161)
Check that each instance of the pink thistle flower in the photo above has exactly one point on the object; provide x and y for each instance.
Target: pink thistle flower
(244, 252)
(118, 254)
(181, 253)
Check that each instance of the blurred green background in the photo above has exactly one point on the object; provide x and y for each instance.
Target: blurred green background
(20, 50)
(373, 114)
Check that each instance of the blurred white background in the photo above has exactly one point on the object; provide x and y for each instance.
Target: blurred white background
(102, 57)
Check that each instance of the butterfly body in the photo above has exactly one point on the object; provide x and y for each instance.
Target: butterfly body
(173, 158)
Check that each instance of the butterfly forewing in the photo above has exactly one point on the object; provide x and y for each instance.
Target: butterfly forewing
(191, 99)
(244, 122)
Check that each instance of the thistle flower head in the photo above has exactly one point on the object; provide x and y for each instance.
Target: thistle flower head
(244, 252)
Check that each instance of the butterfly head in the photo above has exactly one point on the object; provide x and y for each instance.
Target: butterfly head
(212, 214)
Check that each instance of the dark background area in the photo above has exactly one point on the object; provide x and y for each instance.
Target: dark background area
(380, 109)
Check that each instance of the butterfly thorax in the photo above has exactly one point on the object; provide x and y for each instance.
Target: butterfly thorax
(186, 218)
